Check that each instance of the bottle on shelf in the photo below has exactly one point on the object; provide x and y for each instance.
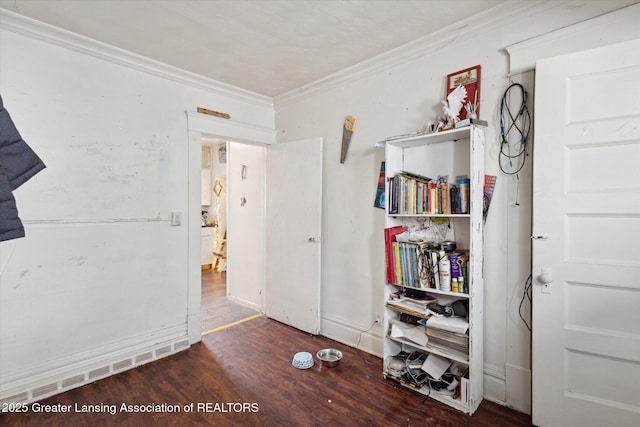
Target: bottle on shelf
(445, 272)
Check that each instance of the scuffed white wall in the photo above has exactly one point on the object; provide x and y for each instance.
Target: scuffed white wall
(102, 274)
(246, 222)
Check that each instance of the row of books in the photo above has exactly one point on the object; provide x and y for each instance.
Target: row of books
(411, 194)
(416, 265)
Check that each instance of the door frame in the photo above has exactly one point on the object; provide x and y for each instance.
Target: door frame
(199, 126)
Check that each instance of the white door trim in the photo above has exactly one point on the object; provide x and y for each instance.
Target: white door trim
(199, 125)
(614, 27)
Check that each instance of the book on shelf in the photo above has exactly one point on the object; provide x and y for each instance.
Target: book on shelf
(415, 176)
(390, 234)
(463, 194)
(378, 202)
(489, 185)
(468, 122)
(445, 206)
(464, 389)
(453, 197)
(397, 268)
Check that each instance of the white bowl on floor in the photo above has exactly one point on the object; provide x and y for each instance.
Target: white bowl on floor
(302, 360)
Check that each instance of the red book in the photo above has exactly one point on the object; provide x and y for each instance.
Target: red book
(390, 237)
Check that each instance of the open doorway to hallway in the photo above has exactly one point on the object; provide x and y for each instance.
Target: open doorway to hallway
(220, 305)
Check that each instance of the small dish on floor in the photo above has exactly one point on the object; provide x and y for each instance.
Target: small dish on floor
(302, 360)
(329, 357)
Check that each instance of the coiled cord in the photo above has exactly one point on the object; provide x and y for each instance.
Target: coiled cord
(518, 124)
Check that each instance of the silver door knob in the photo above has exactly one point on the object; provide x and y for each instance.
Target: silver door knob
(312, 239)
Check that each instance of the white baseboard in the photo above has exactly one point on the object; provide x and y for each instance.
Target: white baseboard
(518, 391)
(494, 384)
(353, 335)
(57, 376)
(245, 303)
(510, 387)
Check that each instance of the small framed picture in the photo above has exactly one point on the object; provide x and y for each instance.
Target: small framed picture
(470, 79)
(217, 188)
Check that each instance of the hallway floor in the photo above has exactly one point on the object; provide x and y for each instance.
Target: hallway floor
(217, 309)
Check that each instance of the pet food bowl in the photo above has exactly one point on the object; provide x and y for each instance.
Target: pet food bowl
(302, 360)
(329, 357)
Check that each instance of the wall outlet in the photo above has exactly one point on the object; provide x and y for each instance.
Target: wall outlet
(378, 318)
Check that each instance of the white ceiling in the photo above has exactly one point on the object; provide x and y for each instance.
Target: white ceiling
(269, 47)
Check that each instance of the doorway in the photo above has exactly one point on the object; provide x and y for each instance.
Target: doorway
(223, 301)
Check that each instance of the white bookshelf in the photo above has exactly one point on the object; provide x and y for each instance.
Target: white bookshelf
(452, 153)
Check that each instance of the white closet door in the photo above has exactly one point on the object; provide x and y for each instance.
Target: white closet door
(586, 239)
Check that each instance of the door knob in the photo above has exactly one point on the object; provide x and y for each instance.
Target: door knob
(312, 239)
(545, 277)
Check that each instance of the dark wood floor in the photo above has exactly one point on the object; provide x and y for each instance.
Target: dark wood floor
(242, 376)
(217, 309)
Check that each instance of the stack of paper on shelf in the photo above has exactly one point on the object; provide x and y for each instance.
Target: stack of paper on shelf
(435, 365)
(411, 306)
(448, 334)
(448, 340)
(405, 332)
(452, 324)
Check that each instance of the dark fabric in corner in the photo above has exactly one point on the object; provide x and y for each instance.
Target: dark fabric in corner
(10, 224)
(18, 163)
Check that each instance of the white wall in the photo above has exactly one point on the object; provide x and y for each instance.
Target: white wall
(246, 234)
(100, 282)
(399, 93)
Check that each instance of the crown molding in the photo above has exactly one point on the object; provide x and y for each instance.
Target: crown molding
(25, 26)
(614, 27)
(429, 44)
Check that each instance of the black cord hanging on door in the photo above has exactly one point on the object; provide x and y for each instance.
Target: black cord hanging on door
(517, 126)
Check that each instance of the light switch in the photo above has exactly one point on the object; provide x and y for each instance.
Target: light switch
(176, 218)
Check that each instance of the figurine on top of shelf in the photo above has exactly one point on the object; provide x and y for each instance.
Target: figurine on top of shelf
(453, 105)
(441, 123)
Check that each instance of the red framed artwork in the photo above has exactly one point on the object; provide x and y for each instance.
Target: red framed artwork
(470, 79)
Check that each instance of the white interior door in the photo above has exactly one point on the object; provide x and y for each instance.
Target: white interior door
(294, 205)
(586, 239)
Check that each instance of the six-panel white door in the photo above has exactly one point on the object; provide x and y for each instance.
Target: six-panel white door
(586, 231)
